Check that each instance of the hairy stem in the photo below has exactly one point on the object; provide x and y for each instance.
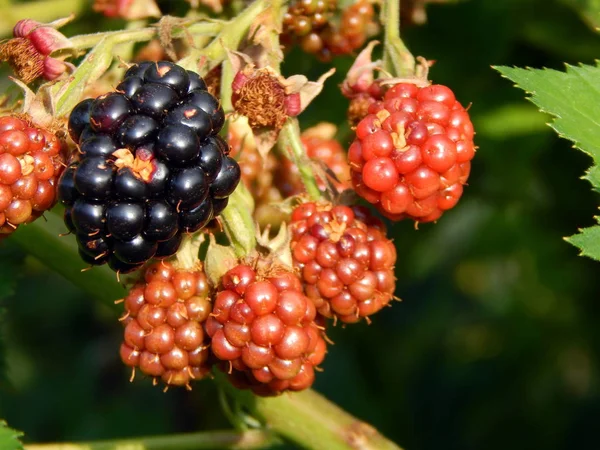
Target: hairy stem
(42, 11)
(233, 34)
(310, 420)
(234, 440)
(86, 41)
(42, 239)
(291, 146)
(397, 59)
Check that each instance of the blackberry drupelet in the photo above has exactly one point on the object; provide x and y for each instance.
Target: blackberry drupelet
(151, 166)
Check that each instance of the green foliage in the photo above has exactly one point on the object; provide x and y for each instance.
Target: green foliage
(9, 438)
(9, 264)
(573, 98)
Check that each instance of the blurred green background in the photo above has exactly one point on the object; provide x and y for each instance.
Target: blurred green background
(496, 343)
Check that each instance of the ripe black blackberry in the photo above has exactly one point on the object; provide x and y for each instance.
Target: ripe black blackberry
(151, 166)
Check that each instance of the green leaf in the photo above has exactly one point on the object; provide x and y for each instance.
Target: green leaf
(9, 438)
(588, 240)
(573, 98)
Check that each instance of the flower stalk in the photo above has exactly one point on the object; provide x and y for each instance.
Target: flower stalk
(397, 59)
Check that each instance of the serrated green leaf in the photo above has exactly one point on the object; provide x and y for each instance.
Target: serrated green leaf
(588, 240)
(573, 98)
(9, 438)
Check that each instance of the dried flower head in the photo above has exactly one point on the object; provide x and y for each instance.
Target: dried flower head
(29, 51)
(260, 95)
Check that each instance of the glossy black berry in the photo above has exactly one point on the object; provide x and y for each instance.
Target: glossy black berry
(187, 188)
(135, 251)
(88, 217)
(124, 220)
(121, 267)
(196, 82)
(68, 220)
(154, 100)
(109, 111)
(208, 103)
(227, 178)
(161, 221)
(136, 130)
(138, 70)
(67, 193)
(93, 178)
(168, 248)
(92, 260)
(128, 186)
(159, 179)
(170, 74)
(196, 218)
(211, 158)
(129, 86)
(178, 145)
(219, 204)
(97, 145)
(79, 118)
(95, 246)
(192, 117)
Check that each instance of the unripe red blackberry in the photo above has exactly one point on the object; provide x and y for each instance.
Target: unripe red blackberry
(412, 152)
(164, 325)
(264, 329)
(345, 259)
(31, 161)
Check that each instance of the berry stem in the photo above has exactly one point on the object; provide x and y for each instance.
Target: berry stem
(187, 254)
(42, 11)
(238, 223)
(232, 34)
(85, 41)
(290, 145)
(310, 420)
(249, 439)
(397, 59)
(41, 239)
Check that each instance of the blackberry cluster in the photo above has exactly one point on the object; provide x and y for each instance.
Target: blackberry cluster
(345, 259)
(151, 166)
(264, 329)
(164, 316)
(31, 160)
(412, 153)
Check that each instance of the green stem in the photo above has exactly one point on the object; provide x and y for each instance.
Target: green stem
(86, 41)
(41, 239)
(213, 440)
(42, 11)
(233, 33)
(310, 420)
(238, 222)
(397, 59)
(290, 145)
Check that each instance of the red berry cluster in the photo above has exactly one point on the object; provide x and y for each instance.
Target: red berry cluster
(164, 316)
(346, 261)
(328, 153)
(264, 328)
(412, 152)
(309, 23)
(31, 160)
